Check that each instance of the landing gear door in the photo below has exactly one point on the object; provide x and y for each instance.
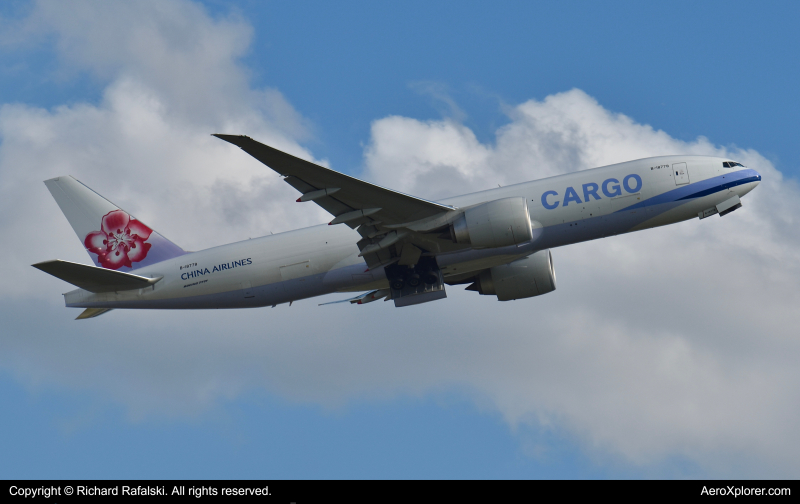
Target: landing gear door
(415, 284)
(681, 173)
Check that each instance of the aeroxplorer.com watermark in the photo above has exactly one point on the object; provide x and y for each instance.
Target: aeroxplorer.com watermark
(743, 491)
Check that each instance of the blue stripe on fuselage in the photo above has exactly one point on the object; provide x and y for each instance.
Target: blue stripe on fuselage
(699, 189)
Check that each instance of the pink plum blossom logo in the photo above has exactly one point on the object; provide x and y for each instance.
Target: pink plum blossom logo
(121, 241)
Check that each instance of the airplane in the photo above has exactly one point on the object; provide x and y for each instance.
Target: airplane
(391, 245)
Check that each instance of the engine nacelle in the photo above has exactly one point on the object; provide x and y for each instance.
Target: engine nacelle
(494, 224)
(531, 276)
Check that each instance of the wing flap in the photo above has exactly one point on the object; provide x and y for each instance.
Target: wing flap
(94, 279)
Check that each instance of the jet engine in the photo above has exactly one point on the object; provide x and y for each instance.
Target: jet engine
(494, 224)
(523, 278)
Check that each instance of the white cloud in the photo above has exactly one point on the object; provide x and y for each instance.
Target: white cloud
(672, 342)
(173, 79)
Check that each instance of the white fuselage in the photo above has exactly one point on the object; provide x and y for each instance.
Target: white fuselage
(308, 262)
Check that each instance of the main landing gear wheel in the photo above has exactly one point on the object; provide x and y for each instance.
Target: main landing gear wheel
(430, 278)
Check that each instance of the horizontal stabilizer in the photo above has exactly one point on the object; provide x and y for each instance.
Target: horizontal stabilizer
(92, 313)
(94, 279)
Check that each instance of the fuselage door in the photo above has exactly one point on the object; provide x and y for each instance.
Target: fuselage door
(681, 173)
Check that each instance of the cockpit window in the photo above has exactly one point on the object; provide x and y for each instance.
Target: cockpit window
(731, 164)
(726, 164)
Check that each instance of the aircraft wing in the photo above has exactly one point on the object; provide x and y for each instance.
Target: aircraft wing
(92, 313)
(395, 227)
(347, 198)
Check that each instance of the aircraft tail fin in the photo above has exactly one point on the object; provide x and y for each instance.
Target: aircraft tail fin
(114, 238)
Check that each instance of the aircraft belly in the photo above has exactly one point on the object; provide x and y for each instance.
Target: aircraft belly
(351, 277)
(244, 274)
(257, 296)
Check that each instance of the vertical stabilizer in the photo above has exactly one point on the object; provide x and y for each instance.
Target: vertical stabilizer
(114, 238)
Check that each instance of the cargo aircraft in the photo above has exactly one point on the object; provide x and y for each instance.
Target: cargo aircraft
(391, 245)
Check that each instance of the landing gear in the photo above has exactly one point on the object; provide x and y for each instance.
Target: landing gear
(418, 284)
(425, 275)
(430, 276)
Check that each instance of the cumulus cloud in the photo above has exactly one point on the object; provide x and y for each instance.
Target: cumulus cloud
(173, 78)
(671, 342)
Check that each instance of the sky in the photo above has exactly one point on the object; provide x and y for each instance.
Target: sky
(667, 353)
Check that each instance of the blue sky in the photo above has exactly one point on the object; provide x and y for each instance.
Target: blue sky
(723, 70)
(584, 383)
